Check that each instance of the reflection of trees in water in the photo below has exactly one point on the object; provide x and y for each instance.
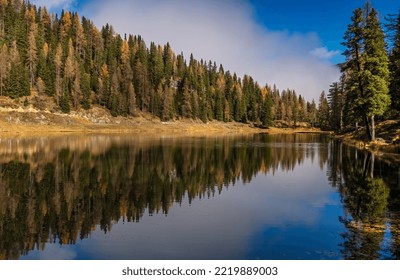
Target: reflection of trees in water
(369, 203)
(63, 195)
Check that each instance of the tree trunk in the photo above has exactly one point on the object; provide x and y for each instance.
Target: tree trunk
(369, 135)
(372, 167)
(341, 121)
(372, 128)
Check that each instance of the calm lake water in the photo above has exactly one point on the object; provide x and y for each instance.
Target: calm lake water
(246, 197)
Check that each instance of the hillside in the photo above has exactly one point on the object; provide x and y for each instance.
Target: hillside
(64, 63)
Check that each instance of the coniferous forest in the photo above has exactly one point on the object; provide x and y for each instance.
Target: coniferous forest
(68, 60)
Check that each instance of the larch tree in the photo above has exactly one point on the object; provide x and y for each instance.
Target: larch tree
(58, 63)
(132, 100)
(31, 59)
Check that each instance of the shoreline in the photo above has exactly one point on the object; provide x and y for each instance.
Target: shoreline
(30, 122)
(386, 145)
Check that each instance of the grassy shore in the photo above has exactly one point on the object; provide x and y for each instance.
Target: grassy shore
(387, 143)
(20, 122)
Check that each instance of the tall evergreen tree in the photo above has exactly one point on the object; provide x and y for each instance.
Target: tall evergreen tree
(336, 101)
(376, 72)
(366, 68)
(323, 112)
(352, 68)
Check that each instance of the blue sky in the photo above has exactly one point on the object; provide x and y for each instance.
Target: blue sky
(329, 19)
(294, 44)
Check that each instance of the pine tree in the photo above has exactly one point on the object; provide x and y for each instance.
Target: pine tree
(312, 113)
(266, 111)
(46, 70)
(366, 68)
(85, 89)
(167, 112)
(376, 76)
(168, 56)
(186, 104)
(4, 67)
(336, 101)
(352, 68)
(18, 80)
(323, 112)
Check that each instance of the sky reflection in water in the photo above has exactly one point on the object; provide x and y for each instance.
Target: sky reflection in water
(288, 210)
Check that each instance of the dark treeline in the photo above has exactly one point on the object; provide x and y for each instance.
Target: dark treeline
(66, 63)
(369, 88)
(62, 196)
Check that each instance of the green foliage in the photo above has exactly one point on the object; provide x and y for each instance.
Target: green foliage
(266, 112)
(70, 60)
(64, 104)
(336, 100)
(85, 88)
(366, 69)
(375, 76)
(18, 82)
(323, 114)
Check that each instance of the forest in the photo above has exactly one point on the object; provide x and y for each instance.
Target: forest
(65, 62)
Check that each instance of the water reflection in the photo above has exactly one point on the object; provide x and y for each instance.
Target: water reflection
(72, 190)
(370, 193)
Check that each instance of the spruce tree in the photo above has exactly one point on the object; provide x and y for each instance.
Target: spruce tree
(323, 112)
(366, 69)
(336, 105)
(352, 68)
(266, 111)
(376, 72)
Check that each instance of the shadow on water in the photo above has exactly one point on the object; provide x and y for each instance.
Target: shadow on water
(59, 190)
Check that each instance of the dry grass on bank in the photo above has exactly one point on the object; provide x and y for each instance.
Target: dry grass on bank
(19, 120)
(387, 143)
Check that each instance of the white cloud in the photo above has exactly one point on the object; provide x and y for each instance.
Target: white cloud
(225, 32)
(324, 53)
(54, 4)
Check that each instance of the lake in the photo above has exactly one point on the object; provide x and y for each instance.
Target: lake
(118, 197)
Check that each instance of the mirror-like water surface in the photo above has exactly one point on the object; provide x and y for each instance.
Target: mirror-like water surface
(246, 197)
